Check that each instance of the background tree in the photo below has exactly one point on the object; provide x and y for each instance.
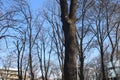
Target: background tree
(83, 31)
(100, 30)
(44, 52)
(30, 24)
(20, 45)
(56, 34)
(112, 29)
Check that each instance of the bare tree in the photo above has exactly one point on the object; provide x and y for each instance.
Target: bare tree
(83, 31)
(103, 17)
(30, 24)
(20, 45)
(44, 50)
(112, 29)
(100, 32)
(57, 35)
(7, 19)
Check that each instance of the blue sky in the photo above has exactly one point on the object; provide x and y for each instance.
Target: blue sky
(36, 4)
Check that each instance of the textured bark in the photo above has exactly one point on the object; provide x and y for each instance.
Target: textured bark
(70, 54)
(71, 48)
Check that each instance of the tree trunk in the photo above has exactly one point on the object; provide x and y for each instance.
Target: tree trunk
(31, 69)
(68, 18)
(81, 66)
(30, 55)
(102, 65)
(70, 53)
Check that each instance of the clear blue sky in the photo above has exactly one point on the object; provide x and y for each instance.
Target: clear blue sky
(36, 4)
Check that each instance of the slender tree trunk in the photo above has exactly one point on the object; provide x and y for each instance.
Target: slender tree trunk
(81, 66)
(25, 77)
(102, 64)
(113, 66)
(18, 65)
(30, 55)
(31, 70)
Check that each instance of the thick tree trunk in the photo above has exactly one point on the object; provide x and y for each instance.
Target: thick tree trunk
(70, 71)
(68, 17)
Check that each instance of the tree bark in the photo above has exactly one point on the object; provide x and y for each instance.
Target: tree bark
(71, 47)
